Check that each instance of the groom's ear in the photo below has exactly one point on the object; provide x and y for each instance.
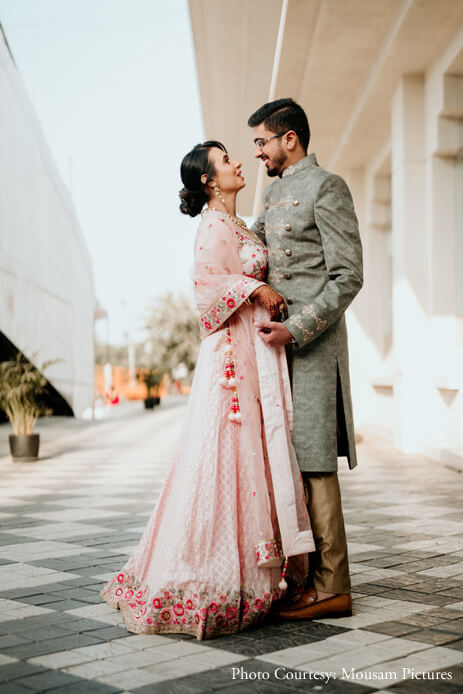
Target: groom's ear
(291, 140)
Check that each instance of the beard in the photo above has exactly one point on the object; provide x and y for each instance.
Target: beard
(278, 161)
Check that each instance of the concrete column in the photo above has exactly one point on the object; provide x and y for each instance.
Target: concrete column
(380, 295)
(410, 244)
(360, 348)
(459, 239)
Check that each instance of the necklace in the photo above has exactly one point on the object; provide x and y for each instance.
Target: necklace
(235, 220)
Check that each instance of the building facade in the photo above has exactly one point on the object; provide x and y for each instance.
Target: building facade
(382, 84)
(47, 295)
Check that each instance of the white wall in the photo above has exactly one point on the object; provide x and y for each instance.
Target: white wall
(47, 296)
(413, 254)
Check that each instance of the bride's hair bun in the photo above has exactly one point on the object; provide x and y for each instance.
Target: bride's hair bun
(193, 195)
(191, 203)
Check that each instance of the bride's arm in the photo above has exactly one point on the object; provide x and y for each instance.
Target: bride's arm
(219, 284)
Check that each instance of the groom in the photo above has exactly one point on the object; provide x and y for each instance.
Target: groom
(309, 225)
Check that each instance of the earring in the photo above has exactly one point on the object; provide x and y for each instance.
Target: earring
(217, 192)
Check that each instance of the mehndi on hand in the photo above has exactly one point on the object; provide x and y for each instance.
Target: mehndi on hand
(272, 301)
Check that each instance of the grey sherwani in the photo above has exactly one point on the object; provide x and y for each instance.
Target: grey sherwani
(315, 261)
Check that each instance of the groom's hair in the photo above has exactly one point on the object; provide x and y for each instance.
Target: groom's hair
(282, 115)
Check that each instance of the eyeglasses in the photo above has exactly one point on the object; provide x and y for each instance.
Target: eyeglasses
(260, 141)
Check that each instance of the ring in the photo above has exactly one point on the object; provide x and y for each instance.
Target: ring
(282, 308)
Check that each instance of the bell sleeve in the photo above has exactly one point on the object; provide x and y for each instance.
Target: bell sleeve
(219, 283)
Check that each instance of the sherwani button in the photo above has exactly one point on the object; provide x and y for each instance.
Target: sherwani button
(287, 275)
(266, 205)
(288, 227)
(288, 251)
(295, 203)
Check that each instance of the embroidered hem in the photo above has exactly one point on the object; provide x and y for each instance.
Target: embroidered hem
(226, 304)
(203, 614)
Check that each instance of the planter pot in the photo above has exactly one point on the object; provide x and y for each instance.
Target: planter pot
(151, 402)
(24, 447)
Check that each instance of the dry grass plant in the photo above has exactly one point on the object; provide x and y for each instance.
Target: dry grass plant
(22, 387)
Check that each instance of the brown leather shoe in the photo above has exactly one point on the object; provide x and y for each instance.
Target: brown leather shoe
(337, 606)
(307, 598)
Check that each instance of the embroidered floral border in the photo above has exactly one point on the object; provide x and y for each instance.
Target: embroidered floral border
(298, 321)
(284, 203)
(275, 276)
(203, 614)
(278, 229)
(226, 304)
(320, 323)
(276, 252)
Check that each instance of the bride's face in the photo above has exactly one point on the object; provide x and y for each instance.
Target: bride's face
(228, 171)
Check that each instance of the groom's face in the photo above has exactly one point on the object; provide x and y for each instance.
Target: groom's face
(271, 152)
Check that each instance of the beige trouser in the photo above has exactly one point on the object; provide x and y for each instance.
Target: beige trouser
(329, 565)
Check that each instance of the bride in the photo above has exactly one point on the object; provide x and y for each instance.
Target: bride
(231, 522)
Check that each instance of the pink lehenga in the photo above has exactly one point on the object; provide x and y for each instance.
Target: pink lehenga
(209, 561)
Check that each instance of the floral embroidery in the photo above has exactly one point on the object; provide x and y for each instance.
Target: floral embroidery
(306, 334)
(283, 204)
(226, 304)
(300, 165)
(321, 323)
(275, 276)
(254, 258)
(250, 237)
(278, 229)
(289, 171)
(276, 252)
(204, 615)
(267, 550)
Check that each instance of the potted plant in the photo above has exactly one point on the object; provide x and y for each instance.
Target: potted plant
(152, 379)
(22, 386)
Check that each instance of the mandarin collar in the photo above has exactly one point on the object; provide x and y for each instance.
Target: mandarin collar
(303, 163)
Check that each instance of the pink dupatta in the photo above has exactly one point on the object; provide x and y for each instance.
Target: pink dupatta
(221, 289)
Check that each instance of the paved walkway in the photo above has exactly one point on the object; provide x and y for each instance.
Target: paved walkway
(69, 521)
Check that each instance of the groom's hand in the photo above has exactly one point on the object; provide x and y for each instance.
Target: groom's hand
(274, 334)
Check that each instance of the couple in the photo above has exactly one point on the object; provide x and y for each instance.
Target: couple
(252, 491)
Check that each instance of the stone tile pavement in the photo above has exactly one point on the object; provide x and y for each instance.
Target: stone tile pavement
(69, 521)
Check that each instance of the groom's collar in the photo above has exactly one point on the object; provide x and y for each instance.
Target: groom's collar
(303, 163)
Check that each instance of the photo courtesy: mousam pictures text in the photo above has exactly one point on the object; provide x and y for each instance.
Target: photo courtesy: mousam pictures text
(281, 673)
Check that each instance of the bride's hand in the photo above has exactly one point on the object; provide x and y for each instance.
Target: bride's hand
(272, 301)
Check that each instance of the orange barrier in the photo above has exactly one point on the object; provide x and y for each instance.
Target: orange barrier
(122, 388)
